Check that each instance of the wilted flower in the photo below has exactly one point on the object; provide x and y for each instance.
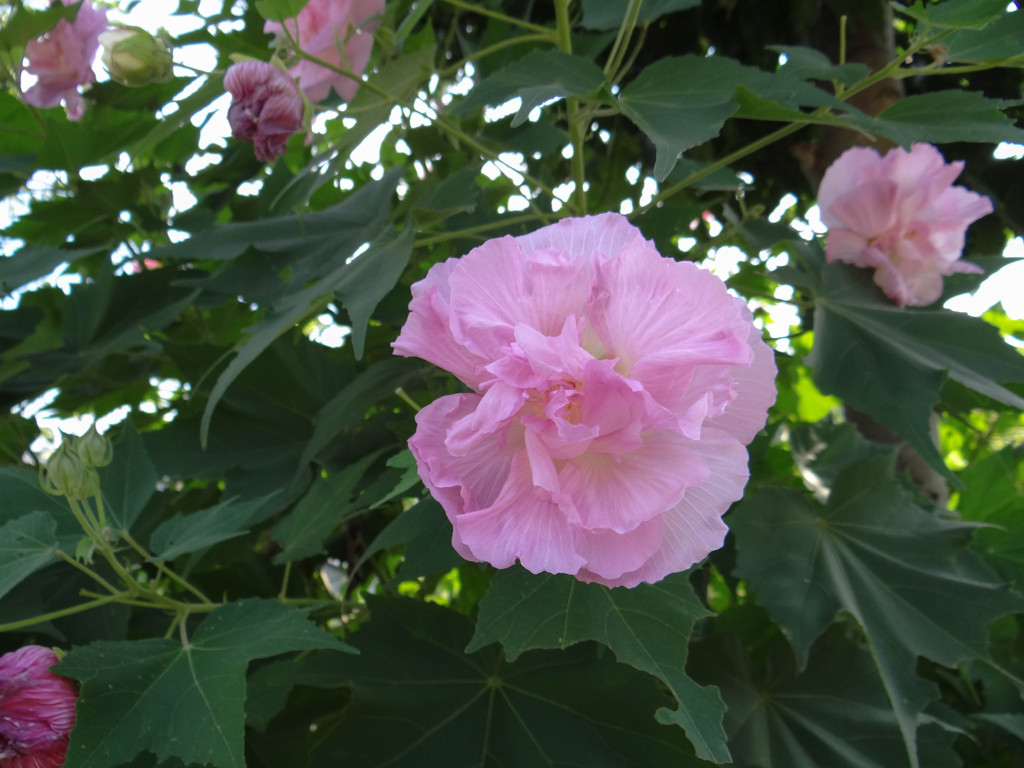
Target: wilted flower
(614, 392)
(338, 32)
(37, 709)
(900, 215)
(62, 59)
(133, 57)
(267, 106)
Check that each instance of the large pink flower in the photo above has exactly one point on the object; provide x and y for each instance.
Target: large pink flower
(37, 709)
(338, 32)
(614, 393)
(266, 108)
(901, 216)
(62, 59)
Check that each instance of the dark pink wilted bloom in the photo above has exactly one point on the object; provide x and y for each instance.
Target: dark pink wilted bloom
(328, 29)
(62, 59)
(614, 394)
(900, 215)
(37, 709)
(267, 106)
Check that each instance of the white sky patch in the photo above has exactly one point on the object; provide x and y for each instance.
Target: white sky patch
(1005, 285)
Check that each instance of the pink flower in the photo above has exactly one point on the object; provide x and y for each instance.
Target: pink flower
(37, 709)
(326, 30)
(267, 106)
(614, 393)
(900, 215)
(62, 59)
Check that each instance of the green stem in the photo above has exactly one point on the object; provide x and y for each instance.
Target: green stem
(618, 52)
(707, 170)
(478, 229)
(408, 400)
(62, 613)
(86, 570)
(163, 568)
(439, 121)
(479, 9)
(283, 594)
(573, 114)
(494, 48)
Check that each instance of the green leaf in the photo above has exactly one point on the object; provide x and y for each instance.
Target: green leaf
(427, 535)
(905, 575)
(438, 705)
(279, 10)
(30, 262)
(956, 14)
(536, 78)
(456, 193)
(603, 15)
(320, 512)
(682, 102)
(21, 494)
(944, 116)
(406, 462)
(996, 41)
(358, 284)
(128, 482)
(647, 627)
(834, 713)
(890, 362)
(338, 230)
(175, 700)
(26, 544)
(200, 530)
(812, 64)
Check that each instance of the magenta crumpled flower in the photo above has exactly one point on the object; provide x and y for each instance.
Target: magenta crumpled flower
(901, 216)
(267, 106)
(62, 59)
(614, 393)
(338, 32)
(37, 709)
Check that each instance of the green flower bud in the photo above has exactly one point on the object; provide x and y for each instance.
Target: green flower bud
(67, 475)
(133, 57)
(94, 449)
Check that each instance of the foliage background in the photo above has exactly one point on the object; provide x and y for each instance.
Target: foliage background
(850, 620)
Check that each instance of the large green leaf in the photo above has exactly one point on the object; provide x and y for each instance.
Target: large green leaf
(358, 284)
(956, 14)
(944, 116)
(906, 575)
(647, 627)
(996, 41)
(26, 544)
(175, 700)
(128, 482)
(320, 512)
(427, 536)
(834, 713)
(602, 15)
(682, 102)
(890, 362)
(183, 534)
(536, 78)
(338, 230)
(31, 262)
(440, 706)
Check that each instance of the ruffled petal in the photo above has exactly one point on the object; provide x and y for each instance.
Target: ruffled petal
(693, 527)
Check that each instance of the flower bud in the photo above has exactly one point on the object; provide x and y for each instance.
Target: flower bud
(68, 475)
(133, 57)
(37, 709)
(94, 449)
